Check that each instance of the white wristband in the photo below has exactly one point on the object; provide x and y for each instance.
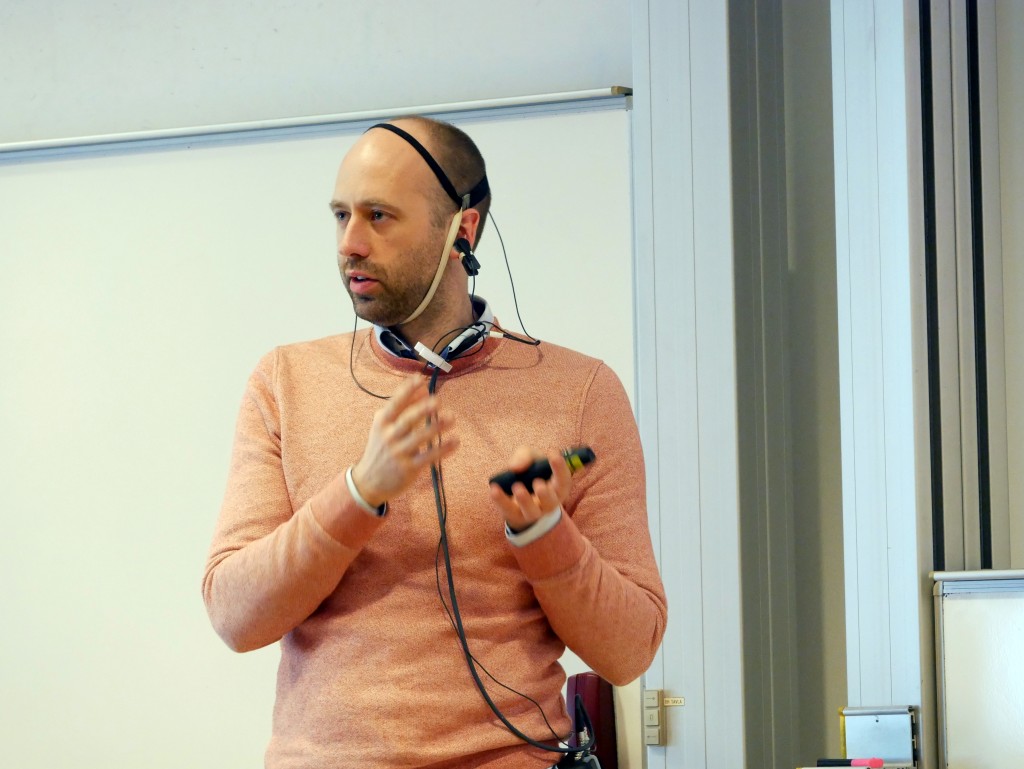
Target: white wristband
(378, 511)
(536, 530)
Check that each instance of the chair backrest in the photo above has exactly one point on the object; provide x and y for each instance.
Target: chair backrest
(600, 705)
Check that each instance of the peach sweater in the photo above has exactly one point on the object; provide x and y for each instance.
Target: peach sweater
(371, 673)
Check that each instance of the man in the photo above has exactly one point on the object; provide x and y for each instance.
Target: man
(328, 539)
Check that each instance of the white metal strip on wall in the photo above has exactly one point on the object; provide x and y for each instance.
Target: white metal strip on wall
(561, 102)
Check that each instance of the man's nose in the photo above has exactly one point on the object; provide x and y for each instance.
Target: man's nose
(352, 239)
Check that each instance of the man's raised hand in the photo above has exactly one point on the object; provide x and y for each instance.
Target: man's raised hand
(405, 438)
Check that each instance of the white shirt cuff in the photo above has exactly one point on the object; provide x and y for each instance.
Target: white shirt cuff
(378, 511)
(536, 530)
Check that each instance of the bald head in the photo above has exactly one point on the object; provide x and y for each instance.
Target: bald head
(382, 162)
(458, 159)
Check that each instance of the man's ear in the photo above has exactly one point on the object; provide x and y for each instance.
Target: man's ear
(468, 227)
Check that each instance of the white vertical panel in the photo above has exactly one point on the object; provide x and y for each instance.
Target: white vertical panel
(871, 46)
(686, 386)
(665, 355)
(716, 381)
(902, 323)
(859, 336)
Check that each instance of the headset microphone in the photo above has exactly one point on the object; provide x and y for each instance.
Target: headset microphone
(468, 258)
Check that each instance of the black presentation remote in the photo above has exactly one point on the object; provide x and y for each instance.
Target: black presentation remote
(575, 458)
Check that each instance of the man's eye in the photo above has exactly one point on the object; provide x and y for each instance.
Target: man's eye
(377, 215)
(341, 216)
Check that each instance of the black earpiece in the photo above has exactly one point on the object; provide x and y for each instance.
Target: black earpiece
(468, 259)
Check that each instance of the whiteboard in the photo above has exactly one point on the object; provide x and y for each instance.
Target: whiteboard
(139, 285)
(980, 634)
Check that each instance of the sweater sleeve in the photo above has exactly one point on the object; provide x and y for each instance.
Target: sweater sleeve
(595, 574)
(271, 565)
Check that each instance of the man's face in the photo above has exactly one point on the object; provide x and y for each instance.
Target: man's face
(389, 242)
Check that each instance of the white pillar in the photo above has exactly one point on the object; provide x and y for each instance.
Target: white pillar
(686, 368)
(883, 410)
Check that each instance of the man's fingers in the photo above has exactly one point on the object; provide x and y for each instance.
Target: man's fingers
(513, 515)
(414, 417)
(438, 451)
(502, 500)
(526, 501)
(545, 496)
(412, 389)
(404, 438)
(561, 477)
(413, 441)
(522, 458)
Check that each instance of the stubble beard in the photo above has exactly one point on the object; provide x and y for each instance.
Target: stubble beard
(398, 295)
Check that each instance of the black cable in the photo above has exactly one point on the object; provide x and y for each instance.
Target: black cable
(511, 282)
(478, 344)
(529, 339)
(456, 617)
(351, 367)
(442, 541)
(463, 642)
(455, 333)
(451, 619)
(441, 503)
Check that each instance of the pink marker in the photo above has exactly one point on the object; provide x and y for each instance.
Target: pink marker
(874, 763)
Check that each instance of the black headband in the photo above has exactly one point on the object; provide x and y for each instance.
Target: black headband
(480, 191)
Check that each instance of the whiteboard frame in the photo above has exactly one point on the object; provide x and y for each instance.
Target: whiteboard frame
(961, 584)
(600, 98)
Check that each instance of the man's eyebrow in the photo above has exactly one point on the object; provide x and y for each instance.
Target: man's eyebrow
(368, 203)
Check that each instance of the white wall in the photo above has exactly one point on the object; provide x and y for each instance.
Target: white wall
(75, 68)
